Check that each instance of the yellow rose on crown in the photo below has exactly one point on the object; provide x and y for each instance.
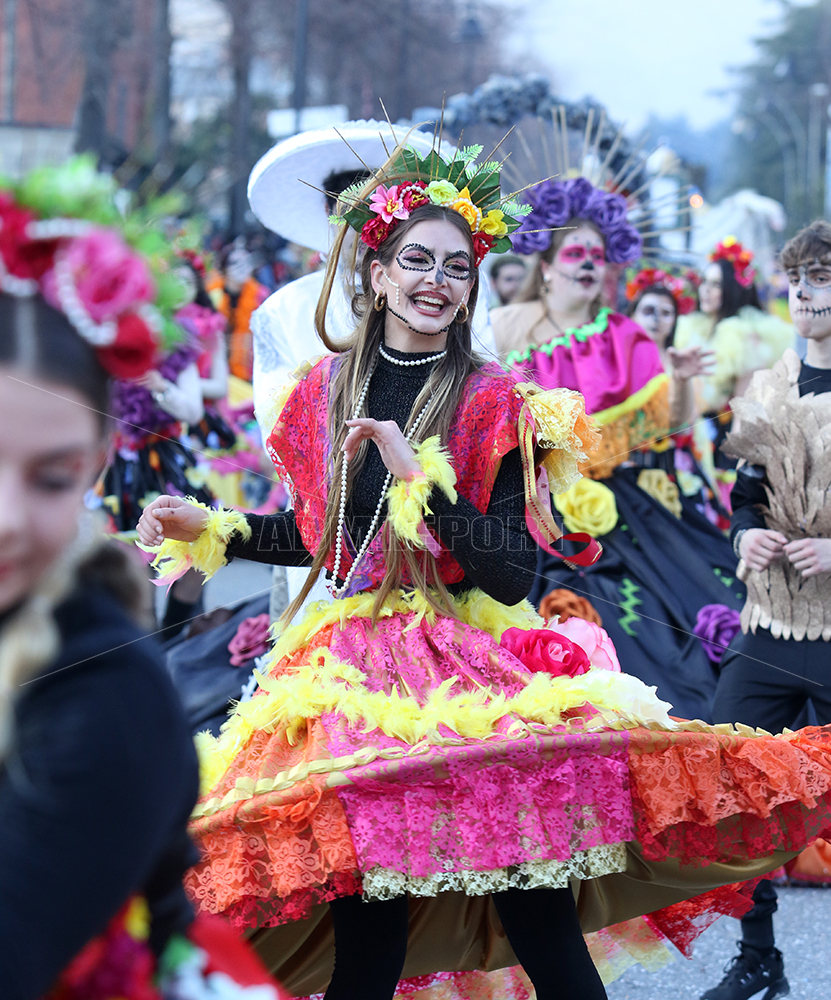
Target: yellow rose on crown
(493, 225)
(441, 192)
(469, 212)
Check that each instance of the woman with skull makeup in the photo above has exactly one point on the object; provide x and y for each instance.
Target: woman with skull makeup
(427, 767)
(647, 513)
(731, 323)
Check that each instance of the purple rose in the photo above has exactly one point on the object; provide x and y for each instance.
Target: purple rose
(623, 245)
(552, 206)
(530, 242)
(715, 626)
(609, 211)
(582, 196)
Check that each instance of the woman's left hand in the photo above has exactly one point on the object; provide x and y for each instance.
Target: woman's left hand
(152, 380)
(694, 361)
(810, 555)
(396, 452)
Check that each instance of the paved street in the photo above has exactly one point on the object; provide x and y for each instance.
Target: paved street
(803, 929)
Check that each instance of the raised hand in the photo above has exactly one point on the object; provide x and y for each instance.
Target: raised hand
(694, 361)
(396, 452)
(171, 517)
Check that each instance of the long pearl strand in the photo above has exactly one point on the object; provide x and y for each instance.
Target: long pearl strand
(340, 591)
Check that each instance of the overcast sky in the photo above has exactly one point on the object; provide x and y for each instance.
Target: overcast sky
(642, 56)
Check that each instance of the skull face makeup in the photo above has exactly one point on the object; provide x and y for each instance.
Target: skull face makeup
(809, 299)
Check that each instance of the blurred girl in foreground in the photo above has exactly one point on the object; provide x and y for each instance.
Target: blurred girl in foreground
(97, 772)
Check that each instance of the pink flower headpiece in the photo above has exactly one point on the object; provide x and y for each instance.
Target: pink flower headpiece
(90, 274)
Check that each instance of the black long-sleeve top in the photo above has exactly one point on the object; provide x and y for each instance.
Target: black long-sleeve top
(495, 550)
(95, 797)
(748, 495)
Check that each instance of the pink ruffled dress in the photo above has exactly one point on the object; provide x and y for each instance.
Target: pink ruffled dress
(451, 757)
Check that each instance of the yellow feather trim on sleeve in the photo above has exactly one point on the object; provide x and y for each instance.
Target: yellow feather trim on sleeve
(562, 426)
(207, 553)
(409, 498)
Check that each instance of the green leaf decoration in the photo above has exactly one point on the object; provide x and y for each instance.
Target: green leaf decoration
(469, 153)
(337, 220)
(516, 208)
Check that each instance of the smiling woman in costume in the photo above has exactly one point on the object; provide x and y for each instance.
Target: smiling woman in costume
(423, 753)
(557, 334)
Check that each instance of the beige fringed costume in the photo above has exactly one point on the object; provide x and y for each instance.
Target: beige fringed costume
(791, 437)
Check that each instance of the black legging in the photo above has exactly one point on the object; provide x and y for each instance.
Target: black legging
(541, 925)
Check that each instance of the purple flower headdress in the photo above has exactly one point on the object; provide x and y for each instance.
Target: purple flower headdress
(553, 203)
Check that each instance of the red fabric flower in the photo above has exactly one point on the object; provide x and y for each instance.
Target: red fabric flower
(251, 640)
(133, 351)
(415, 196)
(482, 243)
(375, 232)
(542, 650)
(23, 257)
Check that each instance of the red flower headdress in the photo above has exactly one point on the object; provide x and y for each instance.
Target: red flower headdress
(61, 237)
(681, 287)
(731, 250)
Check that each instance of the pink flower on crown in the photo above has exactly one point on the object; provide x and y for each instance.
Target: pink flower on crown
(387, 202)
(109, 277)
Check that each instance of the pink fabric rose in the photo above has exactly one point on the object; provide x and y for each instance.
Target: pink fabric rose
(542, 650)
(251, 640)
(109, 276)
(593, 640)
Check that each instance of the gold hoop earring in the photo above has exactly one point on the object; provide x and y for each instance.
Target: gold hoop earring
(380, 303)
(459, 318)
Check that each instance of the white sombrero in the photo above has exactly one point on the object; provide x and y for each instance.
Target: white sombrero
(297, 212)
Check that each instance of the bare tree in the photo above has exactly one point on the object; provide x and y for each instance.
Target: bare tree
(161, 124)
(105, 24)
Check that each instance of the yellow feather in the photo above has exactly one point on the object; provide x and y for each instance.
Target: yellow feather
(207, 553)
(408, 499)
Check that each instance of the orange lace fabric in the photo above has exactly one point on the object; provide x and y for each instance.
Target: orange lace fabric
(704, 797)
(269, 858)
(631, 430)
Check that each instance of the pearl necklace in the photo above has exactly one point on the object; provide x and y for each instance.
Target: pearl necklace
(340, 591)
(410, 364)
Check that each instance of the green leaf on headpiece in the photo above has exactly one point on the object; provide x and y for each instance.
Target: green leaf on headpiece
(484, 189)
(502, 245)
(469, 153)
(337, 220)
(516, 208)
(457, 174)
(492, 166)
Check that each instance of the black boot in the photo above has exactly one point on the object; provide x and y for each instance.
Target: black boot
(753, 974)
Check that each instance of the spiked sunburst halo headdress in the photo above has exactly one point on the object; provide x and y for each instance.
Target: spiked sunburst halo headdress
(592, 183)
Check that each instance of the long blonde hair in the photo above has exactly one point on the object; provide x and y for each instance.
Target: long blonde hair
(441, 395)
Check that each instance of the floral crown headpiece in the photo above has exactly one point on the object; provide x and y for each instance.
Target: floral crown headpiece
(410, 180)
(555, 202)
(681, 287)
(62, 237)
(731, 250)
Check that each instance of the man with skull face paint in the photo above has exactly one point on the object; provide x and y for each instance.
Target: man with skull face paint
(781, 531)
